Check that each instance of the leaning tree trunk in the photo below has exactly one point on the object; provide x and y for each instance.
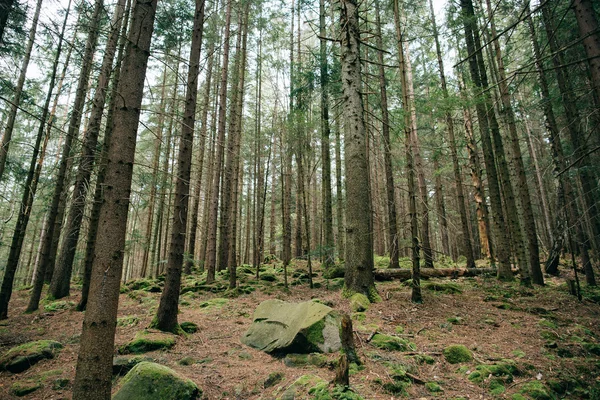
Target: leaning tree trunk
(94, 362)
(359, 233)
(16, 100)
(589, 32)
(61, 279)
(47, 261)
(166, 316)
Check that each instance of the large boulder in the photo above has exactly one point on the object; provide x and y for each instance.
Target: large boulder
(20, 358)
(151, 381)
(281, 327)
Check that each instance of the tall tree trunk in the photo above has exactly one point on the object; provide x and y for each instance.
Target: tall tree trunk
(503, 249)
(94, 362)
(16, 100)
(327, 244)
(576, 135)
(464, 219)
(211, 250)
(359, 233)
(155, 172)
(517, 162)
(61, 279)
(30, 186)
(38, 280)
(339, 195)
(57, 205)
(166, 316)
(589, 31)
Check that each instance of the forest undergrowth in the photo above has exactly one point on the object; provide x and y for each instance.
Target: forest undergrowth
(521, 343)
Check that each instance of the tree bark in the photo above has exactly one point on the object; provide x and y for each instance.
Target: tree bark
(94, 362)
(359, 233)
(589, 31)
(166, 316)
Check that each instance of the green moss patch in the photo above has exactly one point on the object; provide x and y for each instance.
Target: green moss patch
(335, 271)
(301, 386)
(213, 304)
(433, 387)
(23, 388)
(359, 302)
(457, 353)
(147, 285)
(502, 372)
(150, 381)
(59, 305)
(386, 342)
(273, 379)
(535, 390)
(20, 358)
(302, 360)
(189, 327)
(130, 320)
(122, 365)
(148, 340)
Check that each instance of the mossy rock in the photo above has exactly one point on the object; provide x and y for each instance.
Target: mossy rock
(336, 284)
(457, 353)
(281, 327)
(433, 387)
(535, 390)
(387, 342)
(148, 340)
(322, 391)
(268, 277)
(359, 316)
(23, 388)
(187, 361)
(60, 383)
(122, 365)
(335, 271)
(189, 327)
(273, 379)
(359, 302)
(302, 360)
(151, 381)
(59, 305)
(424, 359)
(445, 287)
(20, 358)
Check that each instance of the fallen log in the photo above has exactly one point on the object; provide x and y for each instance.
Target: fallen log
(405, 274)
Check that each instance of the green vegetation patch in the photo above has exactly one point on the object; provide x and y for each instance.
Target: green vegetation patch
(147, 285)
(535, 390)
(359, 302)
(188, 327)
(502, 372)
(148, 340)
(387, 342)
(433, 387)
(23, 388)
(20, 358)
(301, 386)
(457, 353)
(213, 304)
(59, 305)
(321, 392)
(335, 271)
(273, 379)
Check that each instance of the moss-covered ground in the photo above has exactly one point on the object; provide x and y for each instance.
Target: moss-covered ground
(525, 343)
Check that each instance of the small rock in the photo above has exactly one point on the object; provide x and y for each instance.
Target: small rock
(148, 340)
(21, 358)
(23, 388)
(457, 353)
(273, 379)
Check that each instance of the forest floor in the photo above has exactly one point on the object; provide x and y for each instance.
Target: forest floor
(539, 343)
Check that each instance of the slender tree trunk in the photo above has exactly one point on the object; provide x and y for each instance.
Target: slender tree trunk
(503, 249)
(339, 196)
(466, 236)
(589, 31)
(60, 187)
(38, 280)
(359, 224)
(16, 100)
(211, 250)
(327, 244)
(517, 163)
(166, 316)
(94, 363)
(61, 279)
(195, 217)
